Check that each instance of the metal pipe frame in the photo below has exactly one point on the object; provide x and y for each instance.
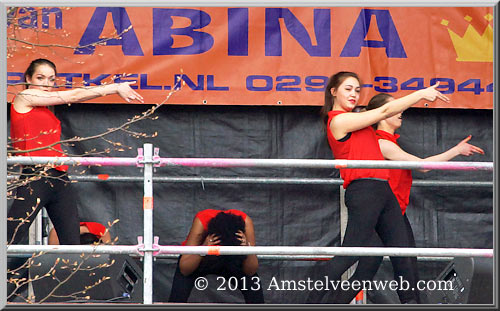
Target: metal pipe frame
(74, 249)
(149, 250)
(257, 250)
(148, 224)
(236, 162)
(261, 180)
(260, 257)
(303, 257)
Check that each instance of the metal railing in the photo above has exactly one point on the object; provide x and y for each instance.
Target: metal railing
(257, 250)
(236, 162)
(261, 180)
(148, 158)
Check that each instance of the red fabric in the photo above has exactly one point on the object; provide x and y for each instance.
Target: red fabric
(94, 227)
(206, 215)
(362, 145)
(399, 180)
(37, 128)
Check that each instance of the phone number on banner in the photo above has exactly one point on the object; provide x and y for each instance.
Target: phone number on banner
(290, 83)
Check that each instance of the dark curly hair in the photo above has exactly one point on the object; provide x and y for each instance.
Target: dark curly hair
(88, 238)
(225, 225)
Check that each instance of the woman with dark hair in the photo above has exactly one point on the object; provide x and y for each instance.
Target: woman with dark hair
(36, 131)
(400, 180)
(217, 227)
(371, 205)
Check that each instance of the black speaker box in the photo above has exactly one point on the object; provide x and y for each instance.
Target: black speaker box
(76, 277)
(471, 280)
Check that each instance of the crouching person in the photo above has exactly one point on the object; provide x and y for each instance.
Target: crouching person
(224, 228)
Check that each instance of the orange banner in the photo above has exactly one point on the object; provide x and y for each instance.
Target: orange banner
(259, 56)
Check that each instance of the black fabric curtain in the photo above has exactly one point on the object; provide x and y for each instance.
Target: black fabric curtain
(283, 215)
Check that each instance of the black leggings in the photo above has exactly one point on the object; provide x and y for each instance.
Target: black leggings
(373, 207)
(368, 267)
(182, 285)
(55, 193)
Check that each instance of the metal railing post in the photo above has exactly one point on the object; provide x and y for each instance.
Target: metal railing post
(45, 226)
(148, 224)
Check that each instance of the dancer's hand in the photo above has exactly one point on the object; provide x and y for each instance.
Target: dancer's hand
(431, 93)
(127, 93)
(211, 239)
(242, 238)
(466, 149)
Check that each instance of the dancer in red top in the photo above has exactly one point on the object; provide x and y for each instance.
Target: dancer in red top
(90, 232)
(372, 207)
(400, 180)
(216, 227)
(206, 215)
(36, 131)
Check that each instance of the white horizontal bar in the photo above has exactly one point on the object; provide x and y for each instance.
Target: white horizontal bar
(238, 162)
(73, 249)
(337, 251)
(258, 250)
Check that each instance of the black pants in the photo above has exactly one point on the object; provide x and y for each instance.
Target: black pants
(55, 193)
(369, 265)
(182, 285)
(373, 207)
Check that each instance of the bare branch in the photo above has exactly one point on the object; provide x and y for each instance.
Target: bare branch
(97, 43)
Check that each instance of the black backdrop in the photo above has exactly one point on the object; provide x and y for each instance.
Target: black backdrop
(283, 215)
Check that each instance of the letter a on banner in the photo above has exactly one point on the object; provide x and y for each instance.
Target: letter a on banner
(129, 42)
(391, 41)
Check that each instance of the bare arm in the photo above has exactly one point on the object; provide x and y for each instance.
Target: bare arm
(349, 122)
(197, 236)
(36, 97)
(106, 237)
(251, 263)
(462, 148)
(392, 151)
(53, 238)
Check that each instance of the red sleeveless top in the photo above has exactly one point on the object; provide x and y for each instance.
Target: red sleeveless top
(361, 145)
(94, 227)
(36, 128)
(206, 215)
(400, 180)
